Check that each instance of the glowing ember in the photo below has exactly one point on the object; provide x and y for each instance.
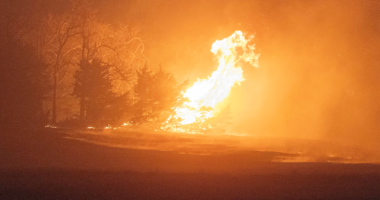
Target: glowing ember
(50, 126)
(205, 94)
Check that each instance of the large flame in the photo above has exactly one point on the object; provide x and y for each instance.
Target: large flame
(205, 94)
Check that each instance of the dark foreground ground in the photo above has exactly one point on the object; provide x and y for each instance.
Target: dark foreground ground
(75, 184)
(43, 165)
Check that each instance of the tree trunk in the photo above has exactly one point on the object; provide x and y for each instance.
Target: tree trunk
(54, 117)
(81, 111)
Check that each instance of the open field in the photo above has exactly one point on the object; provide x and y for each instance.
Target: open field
(45, 164)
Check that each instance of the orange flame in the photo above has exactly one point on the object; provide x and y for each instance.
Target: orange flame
(205, 94)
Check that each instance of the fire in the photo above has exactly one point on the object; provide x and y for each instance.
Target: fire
(205, 94)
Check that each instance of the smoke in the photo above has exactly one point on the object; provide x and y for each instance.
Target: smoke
(319, 70)
(318, 77)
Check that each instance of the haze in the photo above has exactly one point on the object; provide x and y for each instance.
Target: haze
(318, 75)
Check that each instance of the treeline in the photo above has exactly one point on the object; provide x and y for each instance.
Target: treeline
(70, 66)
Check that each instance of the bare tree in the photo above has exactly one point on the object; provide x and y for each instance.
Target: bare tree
(63, 39)
(119, 47)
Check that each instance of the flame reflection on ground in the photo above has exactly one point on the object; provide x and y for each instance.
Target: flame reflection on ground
(278, 149)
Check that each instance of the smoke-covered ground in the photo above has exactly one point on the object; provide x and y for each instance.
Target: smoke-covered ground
(273, 149)
(168, 152)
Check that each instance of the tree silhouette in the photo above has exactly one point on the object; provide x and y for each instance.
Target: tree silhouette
(22, 85)
(166, 94)
(94, 89)
(63, 38)
(142, 90)
(158, 95)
